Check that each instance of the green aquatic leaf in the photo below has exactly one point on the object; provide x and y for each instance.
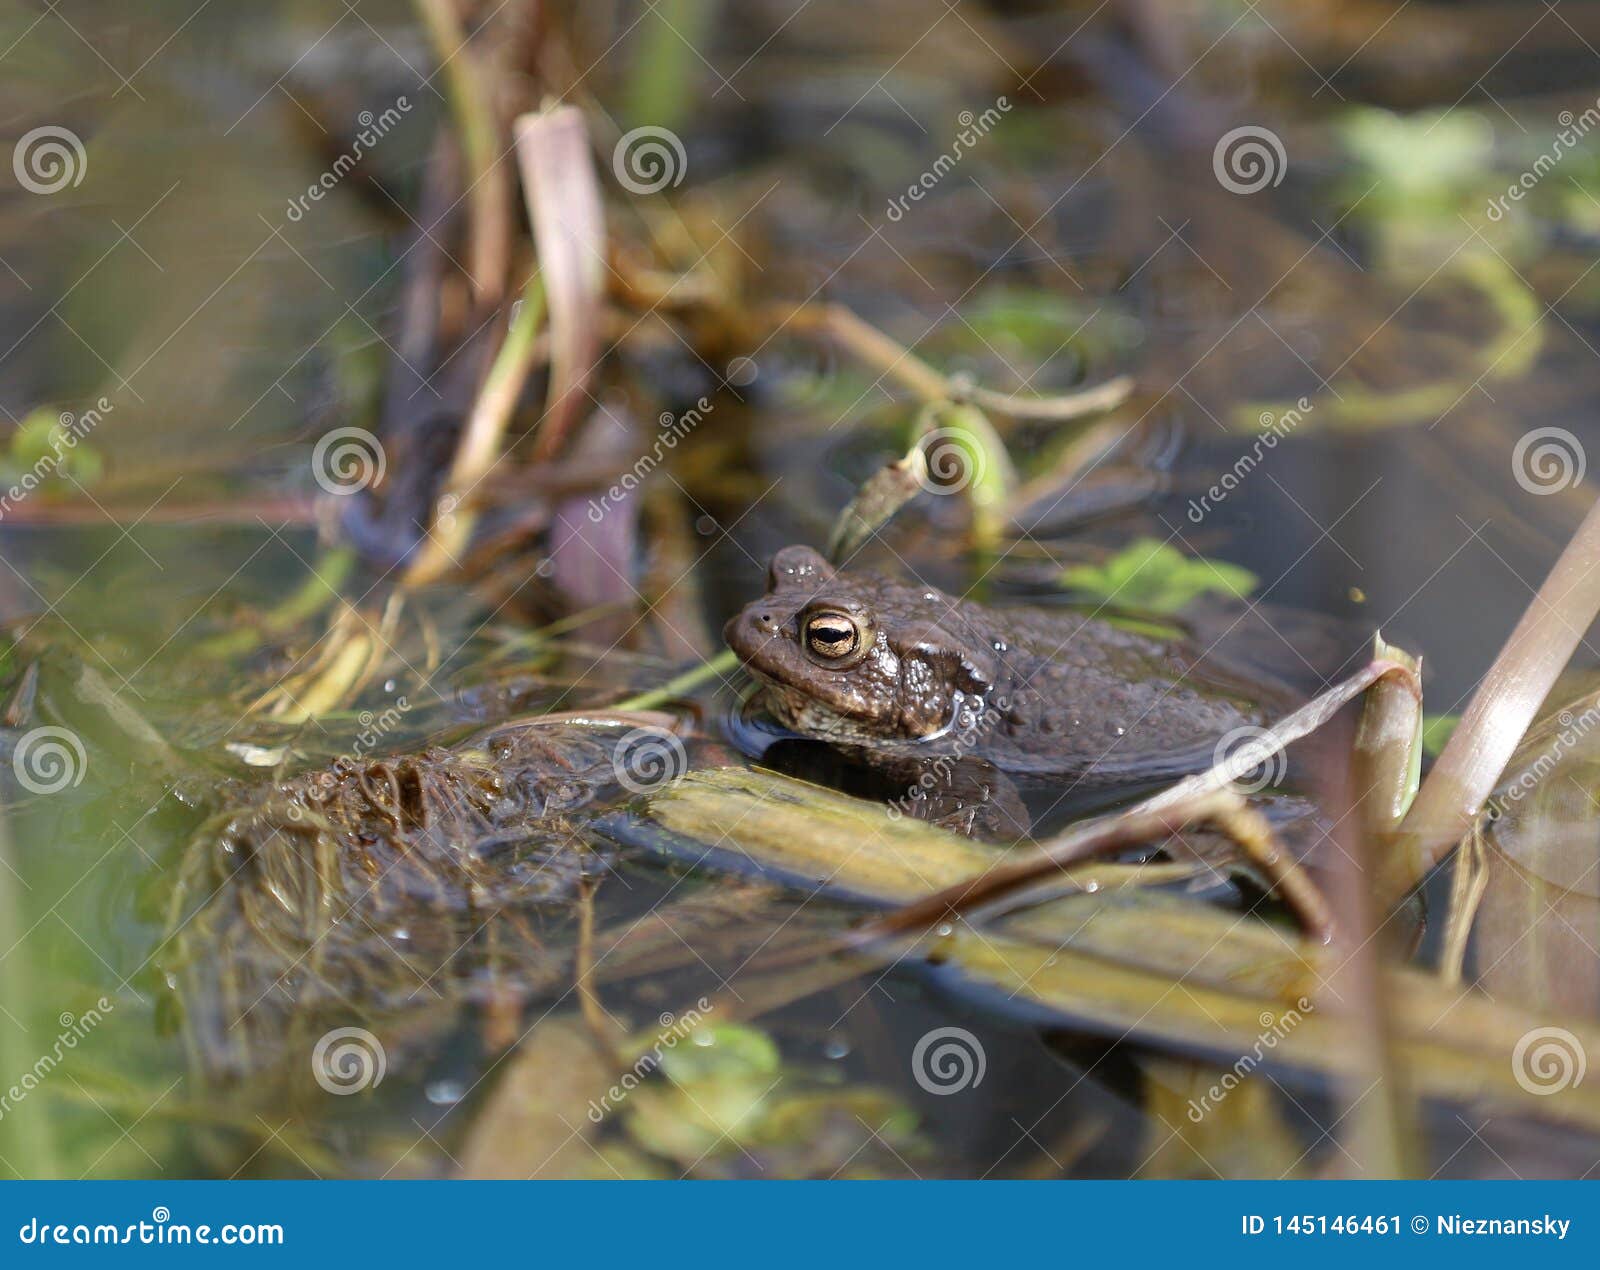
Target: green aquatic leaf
(717, 1087)
(1156, 577)
(1419, 155)
(727, 1093)
(1033, 322)
(721, 1049)
(42, 447)
(688, 1121)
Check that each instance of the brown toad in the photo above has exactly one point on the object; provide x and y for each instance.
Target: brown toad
(910, 671)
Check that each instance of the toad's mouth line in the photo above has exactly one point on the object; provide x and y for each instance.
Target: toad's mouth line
(801, 712)
(808, 715)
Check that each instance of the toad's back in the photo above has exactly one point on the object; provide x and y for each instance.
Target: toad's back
(1095, 699)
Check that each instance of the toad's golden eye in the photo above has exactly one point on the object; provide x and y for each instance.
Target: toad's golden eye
(832, 636)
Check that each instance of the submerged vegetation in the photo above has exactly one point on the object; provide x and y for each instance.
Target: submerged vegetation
(380, 799)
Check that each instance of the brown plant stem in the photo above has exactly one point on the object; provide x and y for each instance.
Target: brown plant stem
(489, 193)
(1507, 699)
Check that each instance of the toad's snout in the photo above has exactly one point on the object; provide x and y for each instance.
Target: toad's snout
(750, 631)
